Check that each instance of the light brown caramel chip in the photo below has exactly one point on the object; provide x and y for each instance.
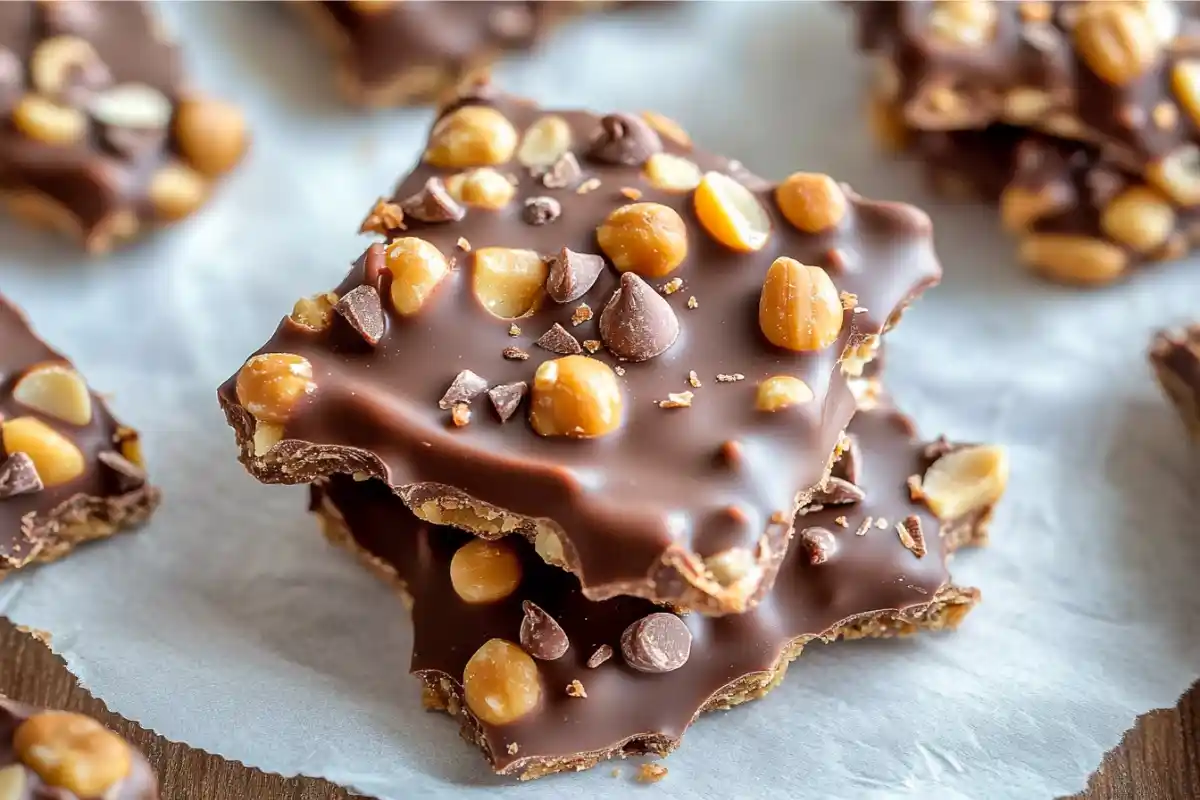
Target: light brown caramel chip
(417, 269)
(270, 384)
(812, 202)
(731, 213)
(509, 283)
(471, 136)
(799, 308)
(485, 572)
(55, 457)
(212, 134)
(577, 397)
(57, 391)
(501, 683)
(72, 752)
(965, 480)
(647, 238)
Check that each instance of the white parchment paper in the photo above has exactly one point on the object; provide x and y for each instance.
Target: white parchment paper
(229, 624)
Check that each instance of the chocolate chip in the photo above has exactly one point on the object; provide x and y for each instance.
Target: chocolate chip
(541, 636)
(572, 274)
(819, 544)
(911, 535)
(837, 492)
(465, 388)
(562, 173)
(506, 397)
(559, 340)
(624, 140)
(129, 476)
(362, 308)
(657, 643)
(637, 323)
(541, 210)
(603, 653)
(514, 354)
(433, 204)
(18, 475)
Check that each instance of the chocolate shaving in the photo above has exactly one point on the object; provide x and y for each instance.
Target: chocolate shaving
(514, 354)
(836, 492)
(819, 544)
(637, 324)
(911, 535)
(18, 475)
(603, 653)
(129, 476)
(563, 172)
(559, 340)
(383, 218)
(541, 210)
(625, 140)
(465, 388)
(433, 204)
(572, 274)
(657, 643)
(362, 308)
(506, 397)
(542, 636)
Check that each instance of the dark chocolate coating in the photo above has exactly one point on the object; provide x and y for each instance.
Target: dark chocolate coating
(28, 521)
(868, 575)
(139, 784)
(656, 485)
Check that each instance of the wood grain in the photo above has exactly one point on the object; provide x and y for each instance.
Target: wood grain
(1159, 758)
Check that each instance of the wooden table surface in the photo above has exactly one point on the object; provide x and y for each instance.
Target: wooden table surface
(1159, 758)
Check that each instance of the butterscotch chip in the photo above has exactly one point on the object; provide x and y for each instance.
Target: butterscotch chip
(731, 213)
(965, 480)
(471, 136)
(799, 308)
(819, 544)
(485, 572)
(72, 752)
(1117, 41)
(624, 139)
(500, 683)
(363, 310)
(57, 391)
(545, 141)
(270, 384)
(668, 129)
(212, 134)
(657, 643)
(508, 282)
(782, 391)
(542, 636)
(672, 173)
(1139, 217)
(647, 238)
(417, 269)
(507, 397)
(434, 203)
(812, 202)
(176, 191)
(465, 387)
(572, 274)
(47, 122)
(558, 339)
(577, 397)
(1074, 259)
(637, 324)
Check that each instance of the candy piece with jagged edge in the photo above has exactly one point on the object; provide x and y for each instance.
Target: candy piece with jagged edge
(1121, 75)
(646, 368)
(69, 472)
(646, 672)
(391, 52)
(101, 136)
(1175, 357)
(67, 756)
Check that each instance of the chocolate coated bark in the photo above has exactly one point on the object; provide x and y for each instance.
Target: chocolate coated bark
(111, 493)
(1175, 357)
(642, 507)
(867, 583)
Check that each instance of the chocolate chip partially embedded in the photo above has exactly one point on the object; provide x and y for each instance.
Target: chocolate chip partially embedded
(129, 476)
(541, 636)
(624, 140)
(837, 492)
(911, 535)
(637, 323)
(465, 388)
(603, 653)
(572, 274)
(18, 475)
(362, 308)
(559, 340)
(506, 397)
(433, 204)
(541, 210)
(657, 643)
(562, 173)
(819, 544)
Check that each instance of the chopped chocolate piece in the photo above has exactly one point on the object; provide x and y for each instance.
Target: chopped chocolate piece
(818, 543)
(362, 308)
(1175, 357)
(603, 653)
(18, 475)
(383, 218)
(67, 477)
(658, 642)
(541, 210)
(572, 275)
(514, 354)
(433, 204)
(541, 636)
(563, 173)
(575, 689)
(129, 476)
(79, 757)
(637, 324)
(835, 492)
(651, 773)
(507, 397)
(465, 388)
(625, 140)
(559, 340)
(911, 535)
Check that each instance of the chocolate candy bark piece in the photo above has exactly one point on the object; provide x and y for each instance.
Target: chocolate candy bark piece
(67, 756)
(1121, 75)
(645, 672)
(392, 52)
(69, 472)
(639, 457)
(1175, 357)
(100, 137)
